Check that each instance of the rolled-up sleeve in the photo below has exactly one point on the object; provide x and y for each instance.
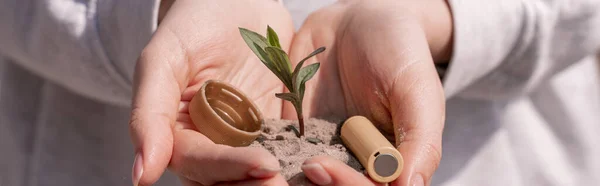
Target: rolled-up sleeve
(89, 47)
(503, 49)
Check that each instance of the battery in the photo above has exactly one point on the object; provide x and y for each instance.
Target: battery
(380, 158)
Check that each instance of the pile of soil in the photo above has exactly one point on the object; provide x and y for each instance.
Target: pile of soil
(321, 137)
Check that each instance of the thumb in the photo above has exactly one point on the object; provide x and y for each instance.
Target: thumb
(157, 94)
(418, 117)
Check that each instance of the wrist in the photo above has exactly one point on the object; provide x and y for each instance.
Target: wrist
(433, 17)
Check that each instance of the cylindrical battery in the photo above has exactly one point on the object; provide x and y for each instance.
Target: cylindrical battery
(379, 157)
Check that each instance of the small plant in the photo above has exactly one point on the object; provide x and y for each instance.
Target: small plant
(269, 51)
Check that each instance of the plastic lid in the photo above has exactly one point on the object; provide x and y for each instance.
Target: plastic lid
(225, 115)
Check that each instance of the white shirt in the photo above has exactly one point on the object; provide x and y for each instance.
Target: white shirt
(523, 91)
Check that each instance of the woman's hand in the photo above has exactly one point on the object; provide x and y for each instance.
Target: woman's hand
(379, 63)
(196, 41)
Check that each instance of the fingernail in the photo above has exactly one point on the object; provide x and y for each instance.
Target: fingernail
(264, 172)
(316, 173)
(138, 169)
(417, 180)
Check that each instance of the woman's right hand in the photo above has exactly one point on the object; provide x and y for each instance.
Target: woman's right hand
(196, 41)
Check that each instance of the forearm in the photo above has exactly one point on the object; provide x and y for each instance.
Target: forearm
(87, 47)
(504, 49)
(501, 49)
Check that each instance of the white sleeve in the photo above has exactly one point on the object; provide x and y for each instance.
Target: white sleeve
(503, 49)
(89, 47)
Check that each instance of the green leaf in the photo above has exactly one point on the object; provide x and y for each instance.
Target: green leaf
(304, 75)
(293, 128)
(314, 53)
(287, 96)
(308, 72)
(282, 62)
(299, 65)
(274, 57)
(280, 58)
(272, 37)
(314, 140)
(254, 41)
(268, 61)
(301, 90)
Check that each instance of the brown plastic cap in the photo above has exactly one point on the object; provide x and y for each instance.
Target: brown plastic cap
(380, 158)
(225, 115)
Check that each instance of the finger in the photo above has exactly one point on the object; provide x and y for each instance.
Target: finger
(417, 106)
(198, 159)
(324, 170)
(278, 180)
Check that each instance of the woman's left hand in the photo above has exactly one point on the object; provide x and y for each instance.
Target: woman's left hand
(379, 63)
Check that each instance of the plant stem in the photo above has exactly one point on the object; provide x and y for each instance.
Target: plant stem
(298, 107)
(301, 123)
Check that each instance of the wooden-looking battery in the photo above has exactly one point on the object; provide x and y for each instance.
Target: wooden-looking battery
(379, 157)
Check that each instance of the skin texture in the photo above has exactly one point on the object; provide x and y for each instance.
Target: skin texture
(379, 63)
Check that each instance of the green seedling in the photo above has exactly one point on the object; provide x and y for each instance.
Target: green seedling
(269, 51)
